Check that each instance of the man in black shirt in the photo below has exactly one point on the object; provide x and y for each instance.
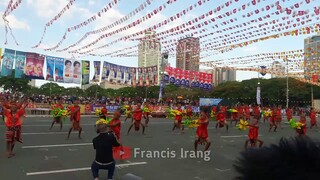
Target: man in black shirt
(103, 144)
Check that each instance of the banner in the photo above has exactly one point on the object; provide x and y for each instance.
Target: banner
(105, 71)
(258, 96)
(58, 71)
(97, 66)
(133, 74)
(209, 101)
(113, 73)
(34, 66)
(85, 72)
(155, 75)
(120, 74)
(127, 76)
(50, 68)
(7, 63)
(77, 72)
(20, 63)
(68, 71)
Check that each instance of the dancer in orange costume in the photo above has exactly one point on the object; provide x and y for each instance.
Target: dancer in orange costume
(313, 118)
(253, 134)
(178, 120)
(221, 120)
(137, 117)
(58, 119)
(273, 120)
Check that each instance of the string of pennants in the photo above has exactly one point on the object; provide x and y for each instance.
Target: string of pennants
(302, 20)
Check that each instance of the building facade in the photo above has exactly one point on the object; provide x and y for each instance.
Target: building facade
(188, 54)
(149, 51)
(220, 75)
(311, 57)
(278, 69)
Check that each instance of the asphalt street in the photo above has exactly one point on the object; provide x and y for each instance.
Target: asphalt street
(48, 155)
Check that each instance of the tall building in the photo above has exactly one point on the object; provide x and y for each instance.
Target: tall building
(149, 51)
(188, 54)
(220, 75)
(312, 56)
(278, 69)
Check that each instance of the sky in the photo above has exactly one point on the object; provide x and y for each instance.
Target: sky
(29, 19)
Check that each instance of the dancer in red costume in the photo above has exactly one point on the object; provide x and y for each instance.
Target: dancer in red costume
(58, 119)
(247, 112)
(278, 117)
(189, 112)
(115, 124)
(13, 122)
(234, 117)
(221, 120)
(289, 114)
(256, 112)
(253, 134)
(178, 119)
(303, 120)
(202, 132)
(104, 112)
(313, 118)
(240, 112)
(137, 117)
(273, 120)
(75, 119)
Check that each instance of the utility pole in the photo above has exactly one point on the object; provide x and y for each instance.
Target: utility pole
(287, 92)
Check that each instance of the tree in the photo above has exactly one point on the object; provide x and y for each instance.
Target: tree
(14, 84)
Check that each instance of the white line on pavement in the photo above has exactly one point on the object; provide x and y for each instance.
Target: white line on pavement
(237, 136)
(49, 133)
(80, 169)
(222, 170)
(55, 145)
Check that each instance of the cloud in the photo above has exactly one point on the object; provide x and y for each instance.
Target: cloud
(15, 23)
(92, 2)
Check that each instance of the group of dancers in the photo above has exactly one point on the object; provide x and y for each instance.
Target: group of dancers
(14, 112)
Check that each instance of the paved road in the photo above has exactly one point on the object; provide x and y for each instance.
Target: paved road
(46, 151)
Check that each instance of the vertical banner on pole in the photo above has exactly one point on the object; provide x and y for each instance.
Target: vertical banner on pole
(134, 76)
(34, 66)
(50, 68)
(258, 95)
(7, 64)
(68, 71)
(104, 71)
(77, 72)
(97, 66)
(85, 72)
(58, 69)
(20, 62)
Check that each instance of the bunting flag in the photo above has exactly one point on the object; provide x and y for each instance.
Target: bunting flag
(34, 66)
(20, 64)
(85, 72)
(48, 24)
(50, 68)
(105, 9)
(10, 8)
(7, 62)
(58, 69)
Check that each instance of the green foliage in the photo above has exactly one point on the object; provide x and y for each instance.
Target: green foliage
(270, 89)
(12, 84)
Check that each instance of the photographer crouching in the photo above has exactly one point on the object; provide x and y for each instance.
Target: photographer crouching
(103, 144)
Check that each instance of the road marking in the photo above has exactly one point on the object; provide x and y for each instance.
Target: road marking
(73, 149)
(49, 133)
(222, 170)
(80, 169)
(55, 145)
(50, 157)
(237, 136)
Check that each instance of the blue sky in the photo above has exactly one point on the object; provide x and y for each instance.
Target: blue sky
(29, 19)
